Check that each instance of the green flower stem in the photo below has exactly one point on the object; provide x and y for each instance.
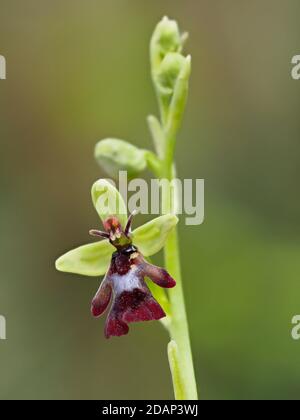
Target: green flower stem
(186, 386)
(170, 74)
(180, 358)
(181, 361)
(157, 135)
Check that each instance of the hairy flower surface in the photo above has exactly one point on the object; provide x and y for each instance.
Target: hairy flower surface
(120, 255)
(124, 283)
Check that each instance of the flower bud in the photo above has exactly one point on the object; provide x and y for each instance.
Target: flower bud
(115, 155)
(169, 71)
(172, 85)
(166, 38)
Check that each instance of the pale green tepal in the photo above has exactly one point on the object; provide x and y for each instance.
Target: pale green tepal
(108, 201)
(93, 259)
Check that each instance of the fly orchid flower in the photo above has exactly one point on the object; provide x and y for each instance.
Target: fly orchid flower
(121, 257)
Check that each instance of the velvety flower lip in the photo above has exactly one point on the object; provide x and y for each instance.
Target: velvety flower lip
(125, 285)
(120, 255)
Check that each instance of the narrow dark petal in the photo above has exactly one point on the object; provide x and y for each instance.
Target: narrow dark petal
(159, 275)
(101, 299)
(129, 223)
(115, 327)
(94, 232)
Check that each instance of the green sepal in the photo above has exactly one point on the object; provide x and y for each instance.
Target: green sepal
(151, 237)
(108, 201)
(89, 260)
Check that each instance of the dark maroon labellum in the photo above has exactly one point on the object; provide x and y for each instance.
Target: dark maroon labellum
(124, 284)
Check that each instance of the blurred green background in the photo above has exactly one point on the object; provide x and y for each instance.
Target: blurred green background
(77, 72)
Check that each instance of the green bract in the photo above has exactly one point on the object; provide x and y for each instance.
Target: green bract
(175, 370)
(117, 155)
(108, 201)
(93, 259)
(178, 101)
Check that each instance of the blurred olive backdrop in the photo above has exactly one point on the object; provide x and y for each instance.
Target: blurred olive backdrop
(78, 71)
